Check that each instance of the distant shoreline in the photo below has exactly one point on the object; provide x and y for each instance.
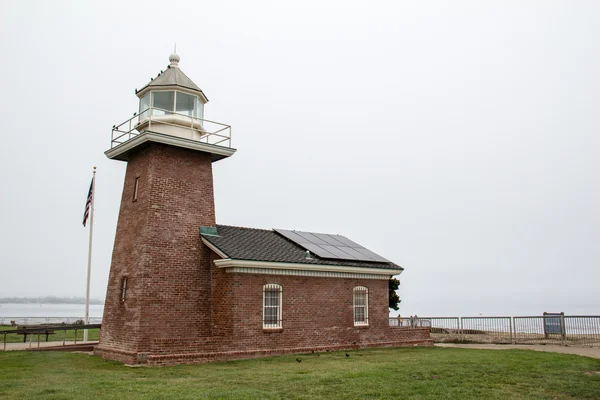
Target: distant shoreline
(48, 300)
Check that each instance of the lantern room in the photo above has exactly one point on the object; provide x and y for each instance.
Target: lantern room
(171, 111)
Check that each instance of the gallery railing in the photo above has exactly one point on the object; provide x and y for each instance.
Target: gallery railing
(199, 129)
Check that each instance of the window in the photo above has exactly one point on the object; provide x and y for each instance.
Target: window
(135, 188)
(124, 289)
(272, 295)
(361, 305)
(164, 101)
(144, 106)
(185, 104)
(167, 102)
(199, 108)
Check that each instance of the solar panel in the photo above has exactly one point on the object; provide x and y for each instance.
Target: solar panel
(331, 246)
(318, 250)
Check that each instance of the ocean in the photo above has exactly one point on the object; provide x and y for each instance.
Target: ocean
(41, 313)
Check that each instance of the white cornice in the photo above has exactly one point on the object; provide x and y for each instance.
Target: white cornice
(148, 136)
(229, 263)
(214, 248)
(294, 272)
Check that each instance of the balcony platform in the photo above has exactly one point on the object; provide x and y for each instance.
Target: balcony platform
(171, 129)
(122, 151)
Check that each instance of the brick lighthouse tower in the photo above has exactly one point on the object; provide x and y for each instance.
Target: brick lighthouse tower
(158, 287)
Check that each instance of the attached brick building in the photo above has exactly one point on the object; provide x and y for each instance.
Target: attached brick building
(185, 290)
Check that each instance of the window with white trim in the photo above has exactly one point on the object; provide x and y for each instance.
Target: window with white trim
(361, 305)
(272, 298)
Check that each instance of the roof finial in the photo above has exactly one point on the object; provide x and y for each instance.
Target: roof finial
(174, 59)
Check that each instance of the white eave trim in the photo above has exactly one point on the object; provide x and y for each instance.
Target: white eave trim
(170, 140)
(214, 248)
(229, 263)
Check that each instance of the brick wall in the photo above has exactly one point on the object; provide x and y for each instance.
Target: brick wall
(157, 246)
(317, 315)
(181, 308)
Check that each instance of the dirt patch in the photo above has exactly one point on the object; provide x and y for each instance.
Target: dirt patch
(592, 373)
(593, 352)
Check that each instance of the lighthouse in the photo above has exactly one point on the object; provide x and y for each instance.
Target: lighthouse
(183, 289)
(158, 286)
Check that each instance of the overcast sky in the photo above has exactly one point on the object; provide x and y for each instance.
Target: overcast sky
(457, 138)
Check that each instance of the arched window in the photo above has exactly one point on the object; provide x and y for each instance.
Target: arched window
(361, 305)
(272, 298)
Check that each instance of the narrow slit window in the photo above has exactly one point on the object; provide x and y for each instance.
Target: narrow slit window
(272, 297)
(124, 289)
(361, 305)
(135, 188)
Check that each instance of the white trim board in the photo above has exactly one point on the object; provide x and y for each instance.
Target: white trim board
(228, 263)
(215, 249)
(292, 272)
(149, 136)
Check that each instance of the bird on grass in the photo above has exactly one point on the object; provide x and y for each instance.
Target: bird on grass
(347, 355)
(318, 355)
(299, 360)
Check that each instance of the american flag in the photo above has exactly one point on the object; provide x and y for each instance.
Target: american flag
(88, 203)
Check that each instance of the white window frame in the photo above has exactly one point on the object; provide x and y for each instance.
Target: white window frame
(279, 323)
(195, 113)
(365, 290)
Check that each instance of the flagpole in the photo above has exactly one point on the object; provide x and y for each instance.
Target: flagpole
(89, 270)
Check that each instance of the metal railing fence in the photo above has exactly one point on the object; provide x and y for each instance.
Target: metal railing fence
(487, 329)
(46, 320)
(577, 330)
(46, 330)
(409, 322)
(212, 132)
(444, 327)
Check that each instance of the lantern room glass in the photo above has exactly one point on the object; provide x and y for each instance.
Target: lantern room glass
(162, 102)
(167, 102)
(144, 106)
(185, 104)
(199, 108)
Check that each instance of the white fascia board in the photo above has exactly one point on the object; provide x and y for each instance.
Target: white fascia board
(170, 140)
(215, 249)
(228, 263)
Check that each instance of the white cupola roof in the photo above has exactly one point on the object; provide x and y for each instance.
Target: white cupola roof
(173, 77)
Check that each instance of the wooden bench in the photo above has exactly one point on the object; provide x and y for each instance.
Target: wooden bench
(40, 329)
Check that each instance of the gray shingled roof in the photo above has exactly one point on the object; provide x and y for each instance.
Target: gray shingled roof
(267, 245)
(173, 77)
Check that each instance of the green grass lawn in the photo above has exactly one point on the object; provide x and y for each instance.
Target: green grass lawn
(93, 334)
(416, 373)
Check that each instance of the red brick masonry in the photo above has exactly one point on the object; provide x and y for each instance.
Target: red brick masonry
(181, 308)
(317, 315)
(405, 338)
